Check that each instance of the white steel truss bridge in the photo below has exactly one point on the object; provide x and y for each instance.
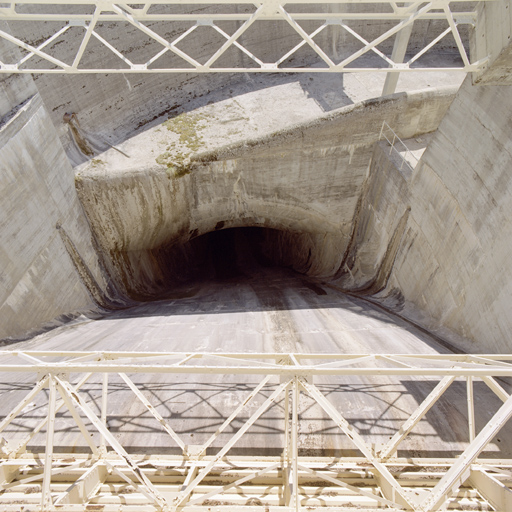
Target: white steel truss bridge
(62, 396)
(58, 35)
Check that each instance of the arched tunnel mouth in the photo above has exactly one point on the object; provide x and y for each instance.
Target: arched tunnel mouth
(221, 255)
(237, 253)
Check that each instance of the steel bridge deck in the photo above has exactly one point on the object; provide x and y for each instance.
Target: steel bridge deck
(76, 388)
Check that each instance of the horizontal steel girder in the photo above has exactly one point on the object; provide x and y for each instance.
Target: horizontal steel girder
(108, 475)
(457, 365)
(41, 54)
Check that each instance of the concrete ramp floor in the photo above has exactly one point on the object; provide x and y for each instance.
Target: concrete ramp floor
(257, 438)
(262, 310)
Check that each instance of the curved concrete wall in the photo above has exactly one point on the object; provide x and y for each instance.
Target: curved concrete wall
(304, 181)
(446, 228)
(112, 108)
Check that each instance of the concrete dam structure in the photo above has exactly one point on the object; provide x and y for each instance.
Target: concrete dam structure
(254, 256)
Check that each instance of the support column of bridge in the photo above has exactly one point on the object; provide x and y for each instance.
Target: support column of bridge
(398, 55)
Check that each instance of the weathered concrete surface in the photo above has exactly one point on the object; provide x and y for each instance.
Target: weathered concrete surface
(445, 230)
(49, 266)
(380, 221)
(14, 89)
(304, 181)
(491, 40)
(261, 310)
(144, 102)
(114, 107)
(48, 263)
(255, 107)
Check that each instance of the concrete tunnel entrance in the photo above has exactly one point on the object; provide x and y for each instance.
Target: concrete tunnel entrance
(225, 254)
(259, 300)
(232, 251)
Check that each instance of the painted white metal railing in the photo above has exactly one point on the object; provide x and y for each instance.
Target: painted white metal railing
(397, 146)
(109, 476)
(78, 30)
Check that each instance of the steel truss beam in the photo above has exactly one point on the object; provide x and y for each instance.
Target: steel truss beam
(113, 479)
(142, 14)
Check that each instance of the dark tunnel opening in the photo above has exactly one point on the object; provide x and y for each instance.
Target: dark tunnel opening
(237, 252)
(224, 254)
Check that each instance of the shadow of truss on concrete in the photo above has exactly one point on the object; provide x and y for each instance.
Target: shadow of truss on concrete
(185, 476)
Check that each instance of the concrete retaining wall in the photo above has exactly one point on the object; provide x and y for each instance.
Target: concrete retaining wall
(451, 270)
(491, 42)
(48, 264)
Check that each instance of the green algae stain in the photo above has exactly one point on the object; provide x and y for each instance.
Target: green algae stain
(177, 156)
(180, 170)
(163, 158)
(177, 164)
(186, 126)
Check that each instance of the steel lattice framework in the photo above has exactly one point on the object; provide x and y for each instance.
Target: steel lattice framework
(91, 13)
(112, 479)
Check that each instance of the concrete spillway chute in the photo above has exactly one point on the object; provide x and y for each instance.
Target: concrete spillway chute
(272, 288)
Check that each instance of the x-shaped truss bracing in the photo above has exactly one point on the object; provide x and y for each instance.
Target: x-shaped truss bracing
(69, 58)
(110, 476)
